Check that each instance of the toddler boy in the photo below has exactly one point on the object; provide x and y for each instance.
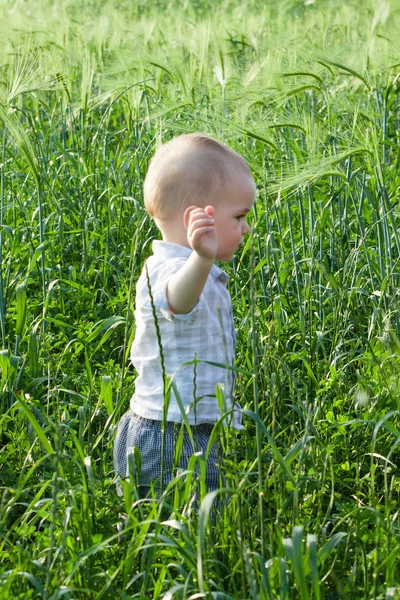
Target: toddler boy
(199, 193)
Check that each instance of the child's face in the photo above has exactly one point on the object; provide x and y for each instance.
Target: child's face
(234, 203)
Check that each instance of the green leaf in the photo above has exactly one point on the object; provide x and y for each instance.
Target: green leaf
(329, 546)
(38, 429)
(21, 308)
(277, 455)
(313, 561)
(106, 393)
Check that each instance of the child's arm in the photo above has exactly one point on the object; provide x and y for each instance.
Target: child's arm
(184, 288)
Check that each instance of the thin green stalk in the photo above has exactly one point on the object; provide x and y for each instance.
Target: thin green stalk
(296, 267)
(133, 266)
(256, 396)
(164, 376)
(2, 192)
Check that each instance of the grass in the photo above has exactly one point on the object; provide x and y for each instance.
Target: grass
(308, 93)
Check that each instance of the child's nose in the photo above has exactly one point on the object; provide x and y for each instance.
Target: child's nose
(246, 228)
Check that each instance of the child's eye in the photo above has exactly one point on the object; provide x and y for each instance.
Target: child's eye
(240, 217)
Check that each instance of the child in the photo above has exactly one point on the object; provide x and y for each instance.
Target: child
(198, 192)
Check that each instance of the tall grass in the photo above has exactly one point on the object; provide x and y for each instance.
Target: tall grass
(308, 93)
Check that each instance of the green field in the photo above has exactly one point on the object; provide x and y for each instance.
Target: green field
(308, 93)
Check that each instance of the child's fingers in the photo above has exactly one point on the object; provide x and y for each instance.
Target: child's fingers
(192, 210)
(199, 214)
(201, 222)
(198, 233)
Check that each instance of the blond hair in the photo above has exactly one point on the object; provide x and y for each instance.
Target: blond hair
(189, 169)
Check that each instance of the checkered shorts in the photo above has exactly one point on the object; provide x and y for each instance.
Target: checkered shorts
(146, 435)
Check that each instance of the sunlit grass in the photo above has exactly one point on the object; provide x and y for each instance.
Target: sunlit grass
(308, 93)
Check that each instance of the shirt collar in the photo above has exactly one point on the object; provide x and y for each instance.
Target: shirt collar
(166, 250)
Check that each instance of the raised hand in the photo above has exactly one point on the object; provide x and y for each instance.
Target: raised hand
(201, 232)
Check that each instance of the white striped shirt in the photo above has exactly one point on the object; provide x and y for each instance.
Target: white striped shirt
(206, 333)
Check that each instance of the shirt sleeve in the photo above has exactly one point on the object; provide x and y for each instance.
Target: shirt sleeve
(159, 278)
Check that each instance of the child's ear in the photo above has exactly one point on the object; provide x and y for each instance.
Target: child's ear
(186, 215)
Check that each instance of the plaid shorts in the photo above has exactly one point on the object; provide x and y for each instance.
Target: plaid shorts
(146, 435)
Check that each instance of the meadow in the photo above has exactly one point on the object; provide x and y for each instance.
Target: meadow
(308, 93)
